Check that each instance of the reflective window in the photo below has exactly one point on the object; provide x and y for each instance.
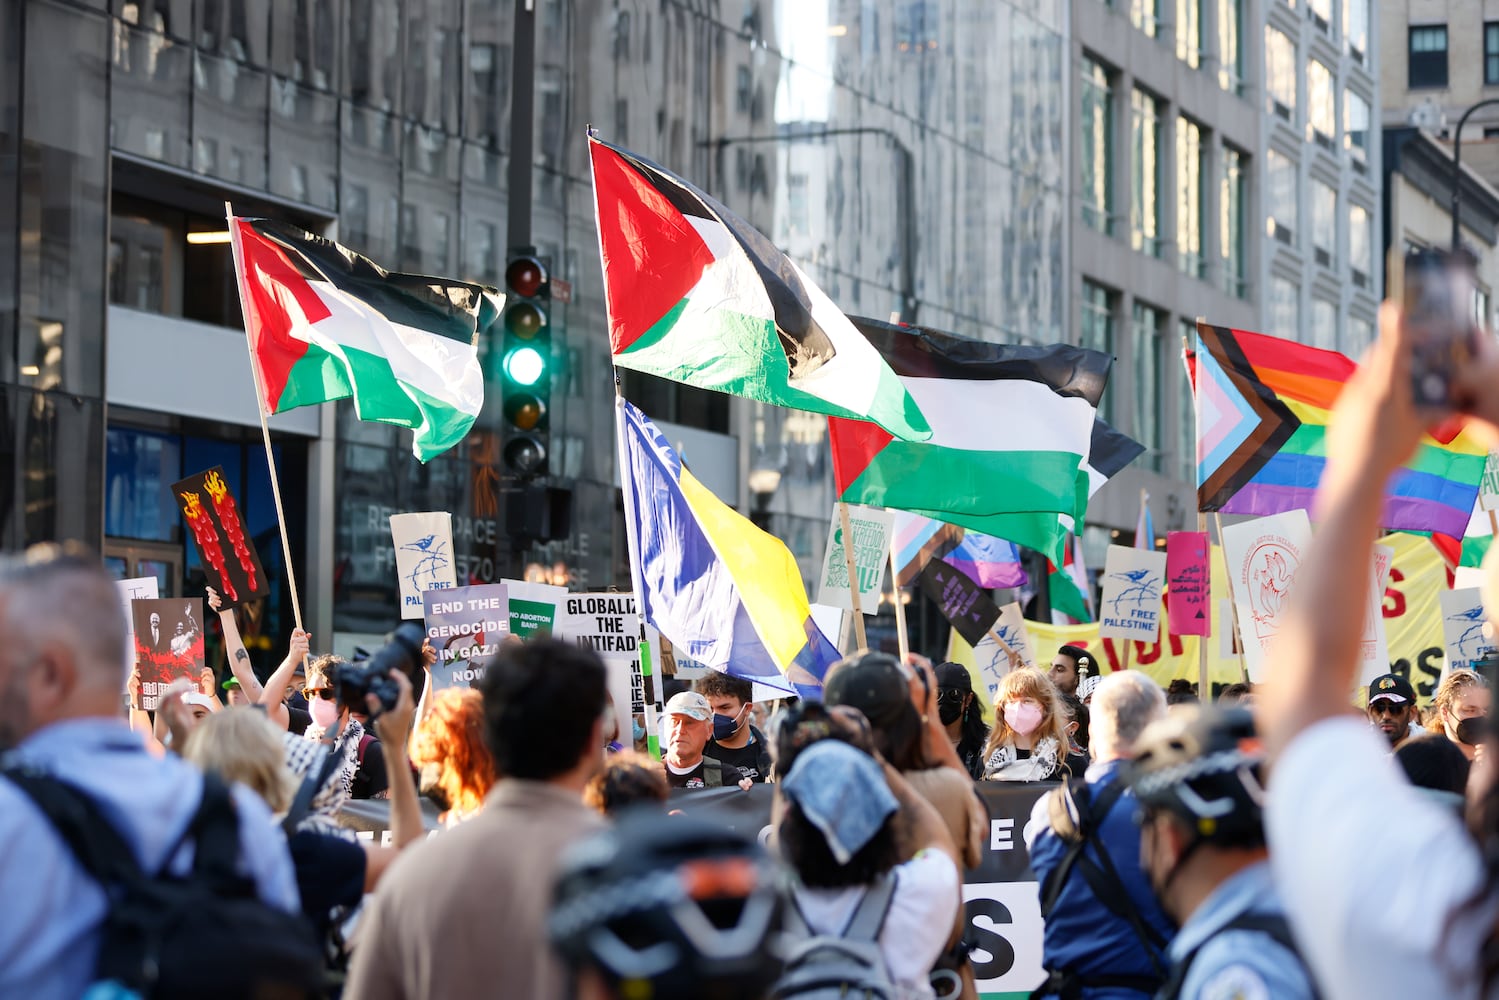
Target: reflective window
(1097, 148)
(1426, 65)
(173, 18)
(305, 40)
(1324, 332)
(1285, 309)
(371, 181)
(1280, 73)
(1320, 12)
(1230, 45)
(140, 468)
(372, 64)
(1324, 223)
(1490, 53)
(61, 496)
(304, 144)
(1355, 125)
(1097, 330)
(1149, 401)
(1145, 173)
(150, 89)
(433, 72)
(1360, 336)
(1146, 15)
(1321, 104)
(488, 92)
(1189, 32)
(1360, 245)
(1186, 413)
(238, 30)
(1356, 28)
(1281, 198)
(1233, 205)
(1190, 196)
(229, 121)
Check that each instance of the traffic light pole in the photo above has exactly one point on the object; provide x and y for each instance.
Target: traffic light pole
(522, 123)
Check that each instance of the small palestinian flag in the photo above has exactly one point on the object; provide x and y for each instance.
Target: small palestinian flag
(325, 323)
(698, 296)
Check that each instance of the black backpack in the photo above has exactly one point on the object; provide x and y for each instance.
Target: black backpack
(166, 937)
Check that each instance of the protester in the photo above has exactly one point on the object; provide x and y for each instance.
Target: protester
(670, 909)
(1070, 667)
(234, 694)
(1392, 708)
(1029, 739)
(962, 716)
(1105, 934)
(362, 773)
(1438, 766)
(688, 727)
(1236, 695)
(628, 779)
(1199, 784)
(735, 739)
(1181, 692)
(290, 708)
(804, 723)
(62, 644)
(464, 914)
(845, 817)
(1077, 760)
(1460, 710)
(1340, 812)
(448, 751)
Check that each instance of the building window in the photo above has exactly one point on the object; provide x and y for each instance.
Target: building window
(1321, 104)
(1189, 32)
(1097, 330)
(1360, 336)
(1356, 28)
(1230, 45)
(1097, 148)
(1146, 15)
(1427, 57)
(1324, 332)
(1481, 307)
(1320, 12)
(1491, 53)
(1186, 412)
(1285, 309)
(1324, 223)
(1145, 352)
(1145, 173)
(1280, 73)
(1360, 245)
(1232, 233)
(1356, 126)
(1190, 201)
(1281, 170)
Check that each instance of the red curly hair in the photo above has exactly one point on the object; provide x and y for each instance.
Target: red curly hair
(452, 737)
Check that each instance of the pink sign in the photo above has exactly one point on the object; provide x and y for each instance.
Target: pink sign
(1187, 583)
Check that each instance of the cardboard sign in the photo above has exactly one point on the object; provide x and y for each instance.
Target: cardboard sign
(871, 527)
(533, 607)
(1465, 628)
(168, 644)
(1488, 486)
(466, 625)
(141, 588)
(964, 603)
(609, 624)
(1187, 592)
(1374, 650)
(1131, 604)
(218, 529)
(1011, 628)
(424, 557)
(1263, 556)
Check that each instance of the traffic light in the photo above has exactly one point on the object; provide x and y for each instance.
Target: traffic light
(526, 366)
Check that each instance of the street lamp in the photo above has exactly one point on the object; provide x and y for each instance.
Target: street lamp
(1457, 165)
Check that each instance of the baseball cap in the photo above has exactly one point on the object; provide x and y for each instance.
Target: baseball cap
(232, 684)
(199, 699)
(690, 704)
(873, 683)
(953, 675)
(1391, 687)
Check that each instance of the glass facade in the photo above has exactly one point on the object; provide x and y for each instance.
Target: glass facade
(1324, 223)
(1233, 207)
(1191, 157)
(1145, 172)
(1280, 73)
(1150, 408)
(1096, 151)
(1281, 195)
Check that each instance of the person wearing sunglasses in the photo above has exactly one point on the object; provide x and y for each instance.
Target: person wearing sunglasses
(1392, 707)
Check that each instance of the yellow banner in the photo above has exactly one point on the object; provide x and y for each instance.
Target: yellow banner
(1412, 617)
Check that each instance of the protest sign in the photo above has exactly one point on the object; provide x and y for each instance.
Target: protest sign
(871, 527)
(1374, 651)
(1011, 628)
(990, 658)
(609, 624)
(466, 626)
(533, 607)
(141, 588)
(1187, 593)
(218, 528)
(1263, 556)
(168, 644)
(1131, 604)
(1465, 629)
(424, 557)
(1488, 486)
(964, 603)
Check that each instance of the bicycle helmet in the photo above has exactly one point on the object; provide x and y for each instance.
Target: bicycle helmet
(671, 908)
(1206, 770)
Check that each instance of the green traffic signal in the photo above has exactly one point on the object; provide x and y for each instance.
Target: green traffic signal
(525, 366)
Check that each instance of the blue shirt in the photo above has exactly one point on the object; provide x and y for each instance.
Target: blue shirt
(1239, 964)
(51, 908)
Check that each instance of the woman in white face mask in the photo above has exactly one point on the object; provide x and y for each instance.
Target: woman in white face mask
(1029, 740)
(330, 721)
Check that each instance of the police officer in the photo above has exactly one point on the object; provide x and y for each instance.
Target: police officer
(1198, 783)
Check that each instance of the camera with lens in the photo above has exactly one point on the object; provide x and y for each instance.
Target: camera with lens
(402, 651)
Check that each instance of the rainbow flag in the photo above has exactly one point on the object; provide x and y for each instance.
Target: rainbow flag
(726, 594)
(1262, 411)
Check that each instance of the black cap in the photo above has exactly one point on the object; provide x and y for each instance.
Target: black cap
(954, 675)
(1391, 687)
(871, 682)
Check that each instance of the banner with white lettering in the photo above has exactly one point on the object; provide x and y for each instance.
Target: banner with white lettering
(466, 626)
(424, 557)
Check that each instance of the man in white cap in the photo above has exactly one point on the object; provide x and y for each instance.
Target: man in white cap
(689, 723)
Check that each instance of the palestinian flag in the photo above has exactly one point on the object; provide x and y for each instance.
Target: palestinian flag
(325, 323)
(696, 295)
(1012, 430)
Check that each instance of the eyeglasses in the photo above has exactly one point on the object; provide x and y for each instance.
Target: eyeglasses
(327, 694)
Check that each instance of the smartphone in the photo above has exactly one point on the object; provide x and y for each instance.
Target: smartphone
(1437, 311)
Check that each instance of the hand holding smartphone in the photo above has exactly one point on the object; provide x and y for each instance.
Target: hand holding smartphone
(1437, 310)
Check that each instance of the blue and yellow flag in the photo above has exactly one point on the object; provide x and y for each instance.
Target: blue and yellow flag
(726, 594)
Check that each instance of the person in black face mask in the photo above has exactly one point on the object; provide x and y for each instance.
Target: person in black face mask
(1460, 709)
(736, 740)
(958, 708)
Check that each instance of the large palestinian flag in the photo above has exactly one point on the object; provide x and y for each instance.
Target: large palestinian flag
(696, 295)
(325, 323)
(1012, 431)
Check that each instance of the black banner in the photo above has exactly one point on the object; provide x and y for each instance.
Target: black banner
(963, 602)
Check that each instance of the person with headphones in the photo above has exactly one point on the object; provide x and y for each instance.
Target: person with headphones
(1199, 784)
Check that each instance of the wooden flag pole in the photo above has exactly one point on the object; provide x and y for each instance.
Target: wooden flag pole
(1203, 686)
(1009, 651)
(265, 430)
(901, 637)
(853, 574)
(1493, 528)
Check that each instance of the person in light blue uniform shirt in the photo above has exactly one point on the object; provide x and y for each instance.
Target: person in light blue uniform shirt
(1198, 783)
(62, 657)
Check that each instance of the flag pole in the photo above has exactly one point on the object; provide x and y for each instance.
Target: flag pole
(1233, 610)
(655, 708)
(265, 430)
(1007, 649)
(853, 574)
(1203, 686)
(900, 608)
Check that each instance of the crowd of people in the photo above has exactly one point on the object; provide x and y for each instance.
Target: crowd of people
(1259, 846)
